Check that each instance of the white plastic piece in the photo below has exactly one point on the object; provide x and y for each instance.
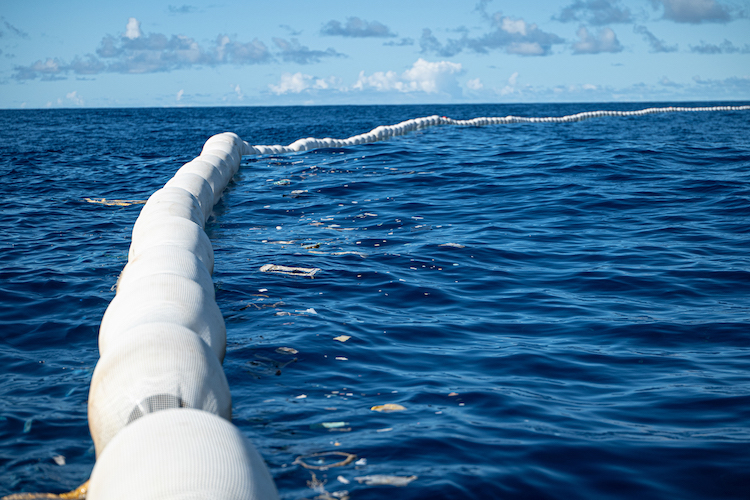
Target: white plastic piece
(198, 187)
(164, 298)
(181, 454)
(153, 368)
(166, 259)
(174, 231)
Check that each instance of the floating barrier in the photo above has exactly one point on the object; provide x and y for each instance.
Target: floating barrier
(159, 404)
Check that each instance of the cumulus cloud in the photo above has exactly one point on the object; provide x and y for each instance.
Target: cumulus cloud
(357, 28)
(694, 11)
(74, 98)
(133, 29)
(179, 95)
(293, 51)
(604, 41)
(513, 35)
(137, 52)
(726, 47)
(656, 44)
(474, 84)
(298, 82)
(423, 76)
(596, 12)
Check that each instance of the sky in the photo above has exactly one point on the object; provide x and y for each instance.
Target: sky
(153, 53)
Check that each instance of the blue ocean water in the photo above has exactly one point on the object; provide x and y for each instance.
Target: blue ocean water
(561, 309)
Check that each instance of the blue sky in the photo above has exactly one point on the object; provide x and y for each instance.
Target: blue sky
(287, 52)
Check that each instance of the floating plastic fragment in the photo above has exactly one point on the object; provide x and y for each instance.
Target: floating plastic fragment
(115, 203)
(59, 460)
(27, 425)
(341, 358)
(454, 245)
(329, 425)
(291, 271)
(382, 479)
(343, 480)
(301, 396)
(453, 394)
(322, 465)
(282, 182)
(342, 338)
(388, 407)
(287, 350)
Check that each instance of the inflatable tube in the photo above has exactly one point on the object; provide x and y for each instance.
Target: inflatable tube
(164, 298)
(197, 186)
(166, 260)
(181, 454)
(154, 367)
(173, 231)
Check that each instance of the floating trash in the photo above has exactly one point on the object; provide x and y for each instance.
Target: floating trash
(115, 203)
(454, 245)
(321, 461)
(381, 479)
(27, 426)
(343, 480)
(291, 271)
(282, 182)
(287, 350)
(386, 408)
(329, 425)
(59, 460)
(342, 338)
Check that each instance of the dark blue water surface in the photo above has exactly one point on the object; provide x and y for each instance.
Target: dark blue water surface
(562, 309)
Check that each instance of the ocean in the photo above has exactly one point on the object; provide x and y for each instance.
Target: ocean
(559, 310)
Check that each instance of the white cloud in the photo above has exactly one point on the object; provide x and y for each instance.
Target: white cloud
(238, 91)
(596, 12)
(74, 98)
(423, 76)
(475, 84)
(604, 41)
(515, 36)
(357, 28)
(133, 29)
(298, 82)
(694, 11)
(179, 95)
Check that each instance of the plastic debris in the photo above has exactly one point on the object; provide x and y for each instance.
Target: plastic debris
(322, 465)
(329, 425)
(291, 271)
(388, 407)
(59, 460)
(27, 425)
(382, 479)
(286, 350)
(301, 396)
(341, 358)
(282, 182)
(342, 338)
(454, 245)
(387, 429)
(115, 203)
